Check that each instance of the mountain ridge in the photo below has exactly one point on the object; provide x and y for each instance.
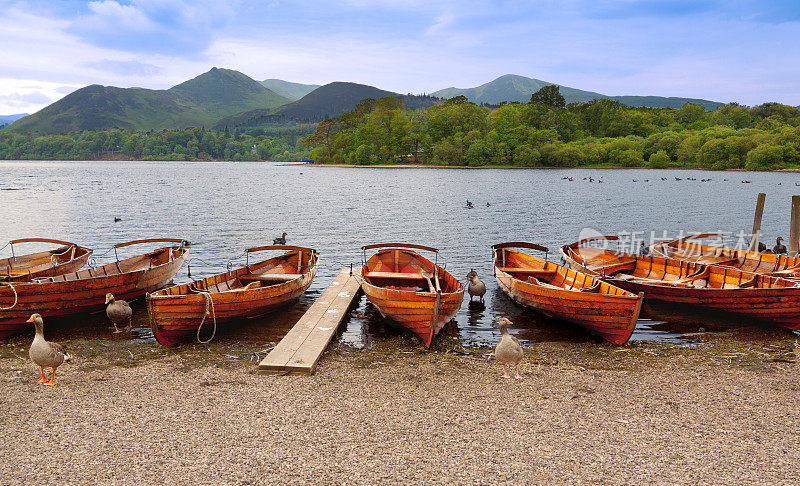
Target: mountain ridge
(223, 97)
(199, 101)
(513, 87)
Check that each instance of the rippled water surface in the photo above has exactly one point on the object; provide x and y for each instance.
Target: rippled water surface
(225, 207)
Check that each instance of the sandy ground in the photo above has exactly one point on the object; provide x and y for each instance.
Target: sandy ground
(584, 413)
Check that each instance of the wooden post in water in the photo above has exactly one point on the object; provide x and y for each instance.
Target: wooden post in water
(757, 221)
(794, 228)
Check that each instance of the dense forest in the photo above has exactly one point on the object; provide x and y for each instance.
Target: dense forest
(547, 132)
(188, 144)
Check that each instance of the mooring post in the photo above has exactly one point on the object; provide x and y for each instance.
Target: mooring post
(757, 221)
(794, 229)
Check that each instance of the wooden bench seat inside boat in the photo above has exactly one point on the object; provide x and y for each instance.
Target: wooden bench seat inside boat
(270, 277)
(393, 275)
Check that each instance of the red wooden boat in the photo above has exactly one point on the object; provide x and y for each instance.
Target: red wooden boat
(178, 313)
(566, 294)
(409, 289)
(764, 297)
(85, 290)
(67, 258)
(692, 249)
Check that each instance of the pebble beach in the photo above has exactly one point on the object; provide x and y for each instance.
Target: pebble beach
(722, 412)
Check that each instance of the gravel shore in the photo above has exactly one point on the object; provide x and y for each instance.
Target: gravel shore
(584, 413)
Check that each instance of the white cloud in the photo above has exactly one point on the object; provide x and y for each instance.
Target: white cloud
(27, 95)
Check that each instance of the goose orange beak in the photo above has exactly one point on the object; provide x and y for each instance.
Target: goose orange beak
(30, 319)
(106, 300)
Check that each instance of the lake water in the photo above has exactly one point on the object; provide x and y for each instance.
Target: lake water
(225, 207)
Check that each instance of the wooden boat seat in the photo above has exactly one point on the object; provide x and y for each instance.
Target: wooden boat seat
(393, 275)
(535, 272)
(270, 277)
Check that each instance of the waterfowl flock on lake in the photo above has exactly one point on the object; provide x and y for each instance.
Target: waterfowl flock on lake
(596, 288)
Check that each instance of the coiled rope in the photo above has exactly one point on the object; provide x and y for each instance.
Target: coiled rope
(209, 303)
(16, 296)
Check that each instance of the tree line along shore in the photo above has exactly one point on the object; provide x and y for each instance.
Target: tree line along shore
(546, 132)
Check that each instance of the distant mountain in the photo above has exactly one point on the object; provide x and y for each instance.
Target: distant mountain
(7, 119)
(511, 87)
(292, 91)
(327, 101)
(198, 102)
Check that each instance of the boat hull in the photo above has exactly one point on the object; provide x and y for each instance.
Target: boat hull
(392, 279)
(83, 294)
(176, 313)
(63, 260)
(780, 306)
(415, 310)
(688, 249)
(612, 317)
(176, 319)
(561, 293)
(762, 297)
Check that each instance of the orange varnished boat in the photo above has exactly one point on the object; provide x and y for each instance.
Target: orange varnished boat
(85, 290)
(765, 297)
(409, 289)
(67, 258)
(691, 249)
(566, 294)
(178, 313)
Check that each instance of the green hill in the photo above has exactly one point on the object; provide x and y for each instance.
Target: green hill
(327, 101)
(511, 87)
(292, 91)
(201, 101)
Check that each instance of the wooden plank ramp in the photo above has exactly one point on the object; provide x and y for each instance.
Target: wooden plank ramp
(300, 350)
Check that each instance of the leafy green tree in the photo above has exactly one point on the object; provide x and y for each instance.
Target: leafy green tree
(659, 160)
(549, 95)
(764, 157)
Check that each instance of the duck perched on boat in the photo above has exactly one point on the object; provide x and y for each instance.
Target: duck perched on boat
(44, 353)
(508, 350)
(779, 248)
(118, 311)
(476, 288)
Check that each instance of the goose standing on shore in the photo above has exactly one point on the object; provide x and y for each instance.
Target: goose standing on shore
(118, 311)
(508, 350)
(281, 240)
(476, 288)
(44, 353)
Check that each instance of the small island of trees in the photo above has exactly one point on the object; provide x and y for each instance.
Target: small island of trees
(547, 132)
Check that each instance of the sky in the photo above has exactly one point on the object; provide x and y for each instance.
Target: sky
(727, 50)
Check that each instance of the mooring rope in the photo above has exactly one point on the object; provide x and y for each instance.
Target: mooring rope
(207, 296)
(16, 296)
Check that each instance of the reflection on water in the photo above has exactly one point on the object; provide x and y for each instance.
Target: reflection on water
(225, 207)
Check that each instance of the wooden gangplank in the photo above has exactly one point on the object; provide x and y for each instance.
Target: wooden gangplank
(300, 350)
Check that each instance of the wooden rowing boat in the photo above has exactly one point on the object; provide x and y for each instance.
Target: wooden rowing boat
(560, 292)
(178, 313)
(765, 297)
(85, 290)
(691, 249)
(67, 258)
(409, 289)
